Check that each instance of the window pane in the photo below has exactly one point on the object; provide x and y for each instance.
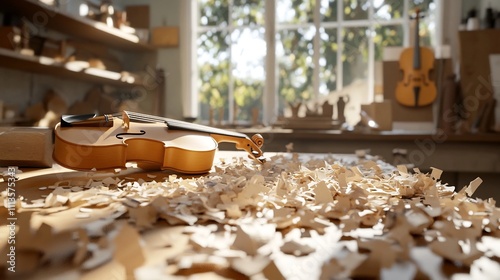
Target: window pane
(248, 55)
(423, 5)
(328, 10)
(388, 9)
(295, 11)
(294, 50)
(213, 65)
(248, 12)
(328, 61)
(354, 54)
(355, 70)
(387, 36)
(213, 12)
(427, 23)
(356, 9)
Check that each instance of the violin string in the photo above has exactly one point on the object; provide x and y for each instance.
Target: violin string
(150, 118)
(142, 118)
(145, 118)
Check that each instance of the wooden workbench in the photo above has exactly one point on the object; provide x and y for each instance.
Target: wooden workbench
(462, 157)
(298, 216)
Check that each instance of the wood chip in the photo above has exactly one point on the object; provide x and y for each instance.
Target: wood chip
(82, 215)
(297, 248)
(473, 185)
(357, 216)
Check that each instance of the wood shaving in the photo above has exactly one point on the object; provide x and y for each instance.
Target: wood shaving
(349, 216)
(82, 215)
(297, 248)
(473, 186)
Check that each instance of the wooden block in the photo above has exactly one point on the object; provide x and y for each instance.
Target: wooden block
(10, 37)
(165, 36)
(381, 113)
(26, 147)
(35, 112)
(138, 16)
(54, 102)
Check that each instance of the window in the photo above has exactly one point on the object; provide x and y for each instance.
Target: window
(322, 49)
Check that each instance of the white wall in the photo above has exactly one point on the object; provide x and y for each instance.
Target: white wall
(167, 12)
(495, 4)
(20, 89)
(480, 6)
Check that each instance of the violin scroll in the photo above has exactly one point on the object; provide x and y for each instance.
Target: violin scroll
(253, 147)
(250, 145)
(258, 140)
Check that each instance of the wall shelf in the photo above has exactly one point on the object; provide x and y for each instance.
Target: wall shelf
(75, 26)
(42, 65)
(44, 16)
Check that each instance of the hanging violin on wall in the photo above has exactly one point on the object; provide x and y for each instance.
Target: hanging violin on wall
(87, 142)
(416, 89)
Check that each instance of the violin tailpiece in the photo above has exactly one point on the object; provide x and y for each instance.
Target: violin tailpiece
(87, 120)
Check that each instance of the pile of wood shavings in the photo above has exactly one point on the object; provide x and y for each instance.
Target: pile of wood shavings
(290, 218)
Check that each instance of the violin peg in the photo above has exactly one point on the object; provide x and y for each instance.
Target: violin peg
(258, 140)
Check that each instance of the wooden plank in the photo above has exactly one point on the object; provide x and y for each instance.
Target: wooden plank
(25, 147)
(475, 77)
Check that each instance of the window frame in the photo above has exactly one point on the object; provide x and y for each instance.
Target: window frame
(270, 94)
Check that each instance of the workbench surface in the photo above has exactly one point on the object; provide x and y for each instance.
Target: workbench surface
(297, 216)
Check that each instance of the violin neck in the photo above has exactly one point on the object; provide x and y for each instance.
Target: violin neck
(180, 125)
(416, 48)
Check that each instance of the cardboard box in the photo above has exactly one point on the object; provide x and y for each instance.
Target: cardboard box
(381, 113)
(165, 36)
(138, 16)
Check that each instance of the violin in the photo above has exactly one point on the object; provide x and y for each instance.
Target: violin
(90, 142)
(416, 89)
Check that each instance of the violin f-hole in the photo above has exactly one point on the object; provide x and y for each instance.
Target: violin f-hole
(408, 81)
(120, 135)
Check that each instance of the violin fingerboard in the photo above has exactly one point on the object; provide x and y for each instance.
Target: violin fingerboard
(180, 125)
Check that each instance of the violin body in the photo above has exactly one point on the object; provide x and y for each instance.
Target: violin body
(153, 145)
(416, 89)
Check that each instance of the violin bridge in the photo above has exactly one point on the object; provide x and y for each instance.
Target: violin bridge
(126, 119)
